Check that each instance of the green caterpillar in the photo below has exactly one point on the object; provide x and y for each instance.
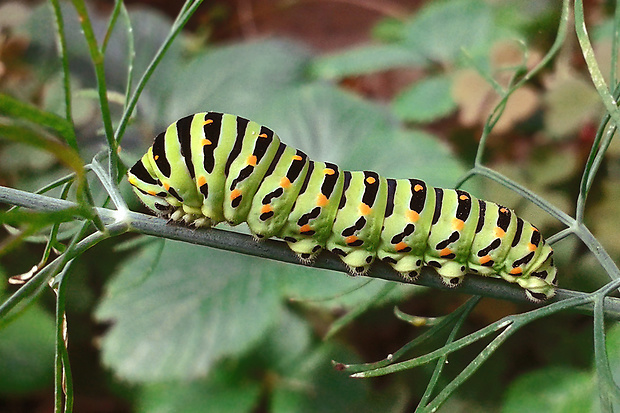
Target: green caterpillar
(212, 167)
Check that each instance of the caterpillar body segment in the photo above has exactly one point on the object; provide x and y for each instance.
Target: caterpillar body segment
(408, 218)
(212, 167)
(248, 162)
(310, 221)
(356, 231)
(452, 232)
(277, 193)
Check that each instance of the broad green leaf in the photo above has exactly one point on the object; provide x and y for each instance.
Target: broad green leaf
(234, 79)
(224, 392)
(552, 390)
(411, 154)
(27, 352)
(287, 369)
(332, 125)
(427, 100)
(174, 315)
(442, 30)
(325, 122)
(335, 289)
(365, 59)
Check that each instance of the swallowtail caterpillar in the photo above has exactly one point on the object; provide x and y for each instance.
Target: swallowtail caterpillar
(212, 167)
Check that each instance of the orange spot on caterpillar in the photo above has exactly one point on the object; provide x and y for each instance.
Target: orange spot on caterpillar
(516, 271)
(364, 209)
(235, 194)
(400, 246)
(285, 182)
(305, 228)
(263, 135)
(151, 192)
(458, 224)
(201, 180)
(207, 122)
(418, 188)
(206, 142)
(328, 171)
(485, 259)
(370, 180)
(503, 210)
(321, 200)
(412, 216)
(463, 197)
(251, 160)
(351, 239)
(445, 252)
(297, 158)
(266, 208)
(531, 247)
(534, 229)
(166, 186)
(156, 157)
(499, 233)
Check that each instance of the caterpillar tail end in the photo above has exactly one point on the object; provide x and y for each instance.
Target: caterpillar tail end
(537, 290)
(540, 284)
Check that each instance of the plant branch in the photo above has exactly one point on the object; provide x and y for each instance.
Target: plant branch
(279, 251)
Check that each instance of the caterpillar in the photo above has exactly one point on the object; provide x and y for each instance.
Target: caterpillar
(212, 167)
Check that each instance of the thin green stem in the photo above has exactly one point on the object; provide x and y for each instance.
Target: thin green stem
(602, 140)
(500, 325)
(54, 232)
(62, 372)
(615, 40)
(493, 117)
(188, 9)
(360, 309)
(131, 55)
(521, 190)
(598, 251)
(61, 43)
(29, 291)
(595, 72)
(471, 368)
(428, 335)
(560, 236)
(110, 187)
(609, 393)
(98, 60)
(441, 362)
(111, 24)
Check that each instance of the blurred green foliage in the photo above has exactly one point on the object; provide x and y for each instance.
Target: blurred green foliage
(189, 329)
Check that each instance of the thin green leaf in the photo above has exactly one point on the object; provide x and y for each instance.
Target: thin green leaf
(17, 109)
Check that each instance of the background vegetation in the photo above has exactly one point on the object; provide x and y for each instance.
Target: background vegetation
(444, 91)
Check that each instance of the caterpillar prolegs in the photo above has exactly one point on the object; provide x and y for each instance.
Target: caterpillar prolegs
(212, 167)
